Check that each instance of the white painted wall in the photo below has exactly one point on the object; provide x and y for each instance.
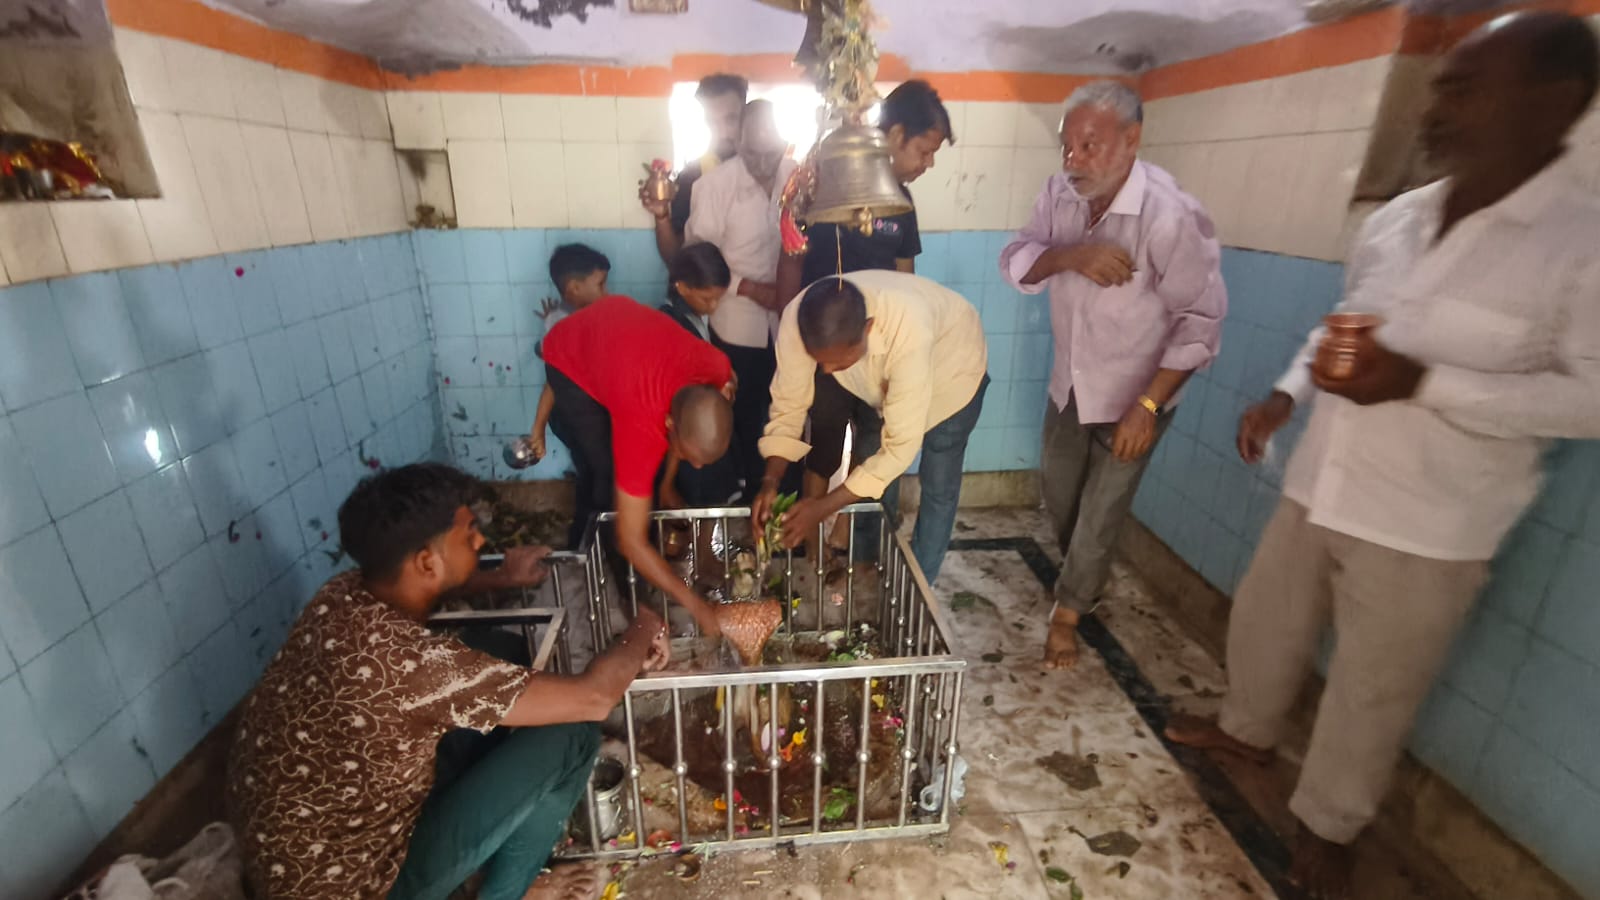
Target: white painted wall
(248, 156)
(1275, 161)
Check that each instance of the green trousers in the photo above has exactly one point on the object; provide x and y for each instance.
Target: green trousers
(500, 801)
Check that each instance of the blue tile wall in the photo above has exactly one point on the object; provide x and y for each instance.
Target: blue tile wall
(484, 289)
(1513, 719)
(172, 402)
(174, 441)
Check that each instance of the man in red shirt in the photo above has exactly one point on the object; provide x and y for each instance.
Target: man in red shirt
(632, 389)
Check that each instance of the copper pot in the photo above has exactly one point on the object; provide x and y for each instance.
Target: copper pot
(1345, 336)
(659, 185)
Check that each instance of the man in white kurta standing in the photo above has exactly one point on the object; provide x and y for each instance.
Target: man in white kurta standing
(1131, 264)
(735, 207)
(1412, 471)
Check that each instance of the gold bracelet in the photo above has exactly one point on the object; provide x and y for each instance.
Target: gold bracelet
(1151, 405)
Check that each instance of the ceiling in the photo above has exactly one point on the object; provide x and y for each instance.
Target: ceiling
(1060, 36)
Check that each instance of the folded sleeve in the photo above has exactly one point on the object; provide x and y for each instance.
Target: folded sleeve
(1018, 257)
(792, 389)
(1187, 260)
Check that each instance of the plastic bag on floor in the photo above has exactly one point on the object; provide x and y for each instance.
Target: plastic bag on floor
(206, 868)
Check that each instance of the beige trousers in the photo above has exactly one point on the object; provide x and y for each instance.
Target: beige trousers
(1394, 618)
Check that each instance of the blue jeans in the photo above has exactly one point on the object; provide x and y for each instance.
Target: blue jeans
(944, 451)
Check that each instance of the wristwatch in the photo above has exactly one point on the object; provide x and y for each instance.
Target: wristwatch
(1155, 408)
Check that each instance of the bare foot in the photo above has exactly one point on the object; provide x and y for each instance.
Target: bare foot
(1321, 868)
(574, 881)
(1194, 731)
(1061, 646)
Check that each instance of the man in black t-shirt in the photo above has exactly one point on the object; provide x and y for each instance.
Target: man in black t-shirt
(722, 98)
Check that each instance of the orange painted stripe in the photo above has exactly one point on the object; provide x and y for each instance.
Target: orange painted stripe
(189, 20)
(1336, 43)
(1364, 37)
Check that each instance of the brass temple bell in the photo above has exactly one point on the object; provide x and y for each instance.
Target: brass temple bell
(855, 183)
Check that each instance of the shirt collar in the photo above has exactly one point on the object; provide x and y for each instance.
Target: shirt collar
(1525, 205)
(1130, 200)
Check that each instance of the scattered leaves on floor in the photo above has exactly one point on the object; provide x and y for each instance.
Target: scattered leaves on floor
(1001, 850)
(1122, 869)
(1044, 857)
(969, 600)
(1079, 773)
(1062, 876)
(1151, 817)
(995, 657)
(1186, 681)
(1111, 843)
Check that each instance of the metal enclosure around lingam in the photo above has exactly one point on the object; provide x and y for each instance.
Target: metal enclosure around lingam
(897, 715)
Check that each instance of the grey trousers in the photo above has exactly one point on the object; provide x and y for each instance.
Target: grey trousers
(1394, 618)
(1087, 494)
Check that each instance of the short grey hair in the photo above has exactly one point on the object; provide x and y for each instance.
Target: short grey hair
(1112, 95)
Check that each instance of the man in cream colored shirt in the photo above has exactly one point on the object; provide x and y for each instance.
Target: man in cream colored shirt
(914, 351)
(1412, 471)
(735, 207)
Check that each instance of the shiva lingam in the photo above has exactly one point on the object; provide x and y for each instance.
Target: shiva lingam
(748, 626)
(1347, 334)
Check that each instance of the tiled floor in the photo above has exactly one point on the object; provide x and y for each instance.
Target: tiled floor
(1172, 845)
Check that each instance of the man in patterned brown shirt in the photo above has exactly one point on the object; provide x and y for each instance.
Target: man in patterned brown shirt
(331, 784)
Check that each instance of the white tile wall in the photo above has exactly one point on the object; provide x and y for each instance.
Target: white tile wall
(538, 184)
(28, 242)
(277, 183)
(303, 108)
(221, 163)
(989, 125)
(531, 117)
(177, 223)
(105, 234)
(1274, 161)
(319, 183)
(242, 153)
(643, 120)
(1038, 125)
(417, 120)
(256, 97)
(482, 184)
(198, 79)
(473, 117)
(594, 196)
(588, 119)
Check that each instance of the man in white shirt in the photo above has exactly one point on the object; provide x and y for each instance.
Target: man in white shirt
(1412, 471)
(735, 207)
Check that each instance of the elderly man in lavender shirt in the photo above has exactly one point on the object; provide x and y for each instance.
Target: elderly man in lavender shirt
(1136, 304)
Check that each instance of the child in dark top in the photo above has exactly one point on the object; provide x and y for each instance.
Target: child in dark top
(697, 278)
(579, 273)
